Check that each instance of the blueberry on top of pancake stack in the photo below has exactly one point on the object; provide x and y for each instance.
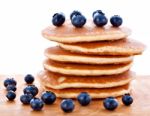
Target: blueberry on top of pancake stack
(91, 56)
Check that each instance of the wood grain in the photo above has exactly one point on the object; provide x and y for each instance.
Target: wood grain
(140, 106)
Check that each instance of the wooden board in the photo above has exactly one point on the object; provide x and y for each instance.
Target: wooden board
(140, 107)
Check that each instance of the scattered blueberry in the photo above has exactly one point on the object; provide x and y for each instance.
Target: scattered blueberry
(11, 87)
(75, 13)
(78, 21)
(97, 12)
(116, 20)
(31, 89)
(100, 20)
(48, 97)
(11, 95)
(58, 19)
(36, 104)
(67, 105)
(110, 103)
(29, 79)
(9, 81)
(84, 98)
(127, 99)
(26, 98)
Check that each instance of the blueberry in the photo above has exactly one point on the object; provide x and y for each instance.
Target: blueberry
(29, 79)
(78, 21)
(26, 98)
(100, 20)
(36, 104)
(110, 103)
(116, 20)
(11, 87)
(84, 98)
(127, 99)
(48, 97)
(11, 95)
(67, 105)
(97, 12)
(58, 19)
(10, 81)
(75, 13)
(31, 89)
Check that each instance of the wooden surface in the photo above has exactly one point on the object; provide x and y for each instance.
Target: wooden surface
(140, 107)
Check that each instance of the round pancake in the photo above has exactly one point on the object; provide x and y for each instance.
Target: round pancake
(85, 69)
(69, 34)
(58, 54)
(118, 47)
(59, 81)
(94, 93)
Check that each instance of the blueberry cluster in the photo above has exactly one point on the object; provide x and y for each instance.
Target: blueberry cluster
(10, 85)
(30, 92)
(79, 20)
(47, 97)
(29, 97)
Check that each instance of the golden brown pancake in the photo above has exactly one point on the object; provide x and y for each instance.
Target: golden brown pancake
(94, 93)
(58, 54)
(85, 69)
(69, 34)
(59, 81)
(118, 47)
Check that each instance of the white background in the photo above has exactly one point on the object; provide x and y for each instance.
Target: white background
(21, 22)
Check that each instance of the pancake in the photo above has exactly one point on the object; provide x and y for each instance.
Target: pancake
(85, 69)
(94, 93)
(118, 47)
(89, 33)
(59, 81)
(58, 54)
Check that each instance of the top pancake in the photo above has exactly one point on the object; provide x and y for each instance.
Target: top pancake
(89, 33)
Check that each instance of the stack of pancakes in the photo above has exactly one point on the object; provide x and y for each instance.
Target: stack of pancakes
(89, 59)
